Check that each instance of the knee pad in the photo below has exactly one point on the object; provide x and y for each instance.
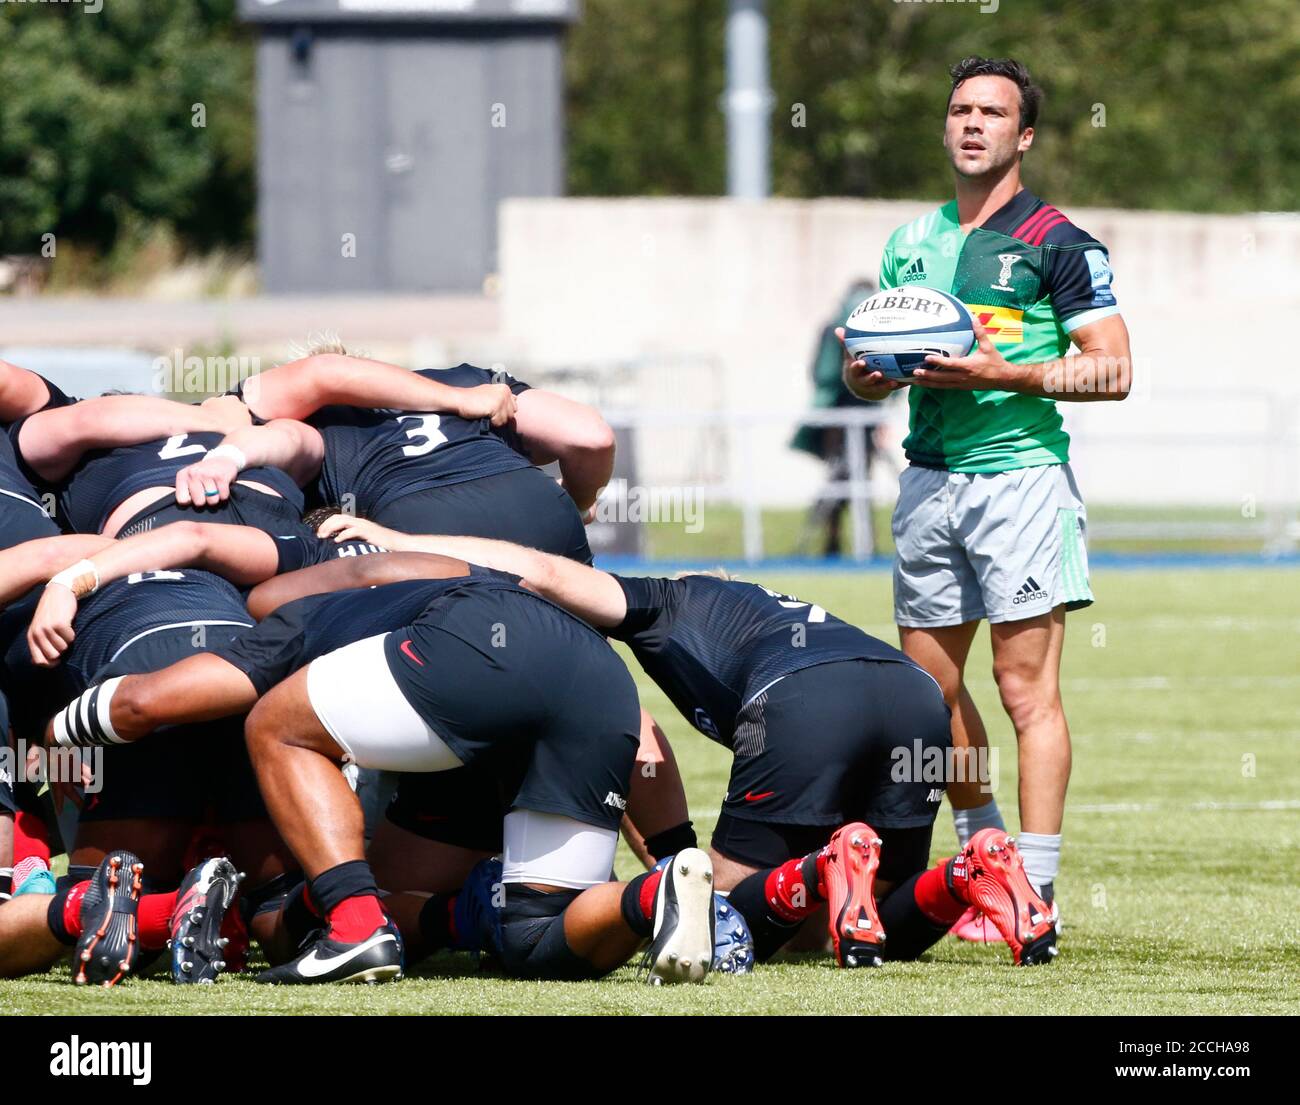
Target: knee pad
(532, 936)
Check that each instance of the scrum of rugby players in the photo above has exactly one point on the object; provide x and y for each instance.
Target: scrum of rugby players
(234, 610)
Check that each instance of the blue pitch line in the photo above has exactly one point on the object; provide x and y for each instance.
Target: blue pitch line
(1123, 562)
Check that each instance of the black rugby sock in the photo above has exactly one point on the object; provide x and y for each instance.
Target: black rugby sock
(908, 931)
(769, 929)
(671, 841)
(436, 928)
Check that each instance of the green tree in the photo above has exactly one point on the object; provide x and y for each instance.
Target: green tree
(644, 81)
(1196, 99)
(97, 134)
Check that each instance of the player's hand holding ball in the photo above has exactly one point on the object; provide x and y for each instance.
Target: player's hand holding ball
(865, 382)
(983, 369)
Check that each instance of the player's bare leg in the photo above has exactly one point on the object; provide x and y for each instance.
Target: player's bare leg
(942, 652)
(439, 895)
(588, 933)
(658, 821)
(26, 943)
(319, 818)
(6, 855)
(1027, 667)
(160, 844)
(267, 869)
(594, 927)
(297, 764)
(403, 860)
(727, 872)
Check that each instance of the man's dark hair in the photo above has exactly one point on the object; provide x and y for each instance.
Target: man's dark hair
(1030, 94)
(317, 515)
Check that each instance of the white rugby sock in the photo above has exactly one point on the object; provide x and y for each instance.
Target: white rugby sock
(969, 822)
(1042, 855)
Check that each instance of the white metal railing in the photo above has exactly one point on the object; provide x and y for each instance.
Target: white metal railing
(1278, 532)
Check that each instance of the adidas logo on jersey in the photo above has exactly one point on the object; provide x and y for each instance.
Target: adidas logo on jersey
(616, 800)
(1029, 592)
(914, 271)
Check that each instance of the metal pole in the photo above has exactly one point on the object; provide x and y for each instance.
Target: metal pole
(855, 440)
(751, 509)
(748, 101)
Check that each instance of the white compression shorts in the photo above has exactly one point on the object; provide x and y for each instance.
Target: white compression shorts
(554, 850)
(356, 698)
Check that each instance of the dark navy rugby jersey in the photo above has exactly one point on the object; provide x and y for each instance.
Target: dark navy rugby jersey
(379, 456)
(18, 492)
(56, 397)
(34, 692)
(126, 610)
(300, 631)
(106, 478)
(22, 516)
(713, 645)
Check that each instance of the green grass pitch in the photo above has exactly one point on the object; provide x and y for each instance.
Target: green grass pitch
(1181, 884)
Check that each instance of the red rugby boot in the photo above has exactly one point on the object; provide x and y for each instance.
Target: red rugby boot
(848, 884)
(990, 876)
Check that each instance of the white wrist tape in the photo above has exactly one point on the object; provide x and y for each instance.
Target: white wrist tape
(233, 452)
(87, 720)
(81, 579)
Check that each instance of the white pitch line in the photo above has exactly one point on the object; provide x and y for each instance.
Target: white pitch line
(1268, 806)
(1170, 682)
(888, 631)
(1157, 682)
(1275, 805)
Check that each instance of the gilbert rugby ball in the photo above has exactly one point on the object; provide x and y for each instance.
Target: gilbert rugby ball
(893, 331)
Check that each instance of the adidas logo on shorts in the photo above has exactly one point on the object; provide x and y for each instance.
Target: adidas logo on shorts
(1029, 592)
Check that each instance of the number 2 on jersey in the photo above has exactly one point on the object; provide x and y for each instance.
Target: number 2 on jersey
(176, 447)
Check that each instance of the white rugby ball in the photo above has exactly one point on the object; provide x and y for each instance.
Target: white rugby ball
(894, 330)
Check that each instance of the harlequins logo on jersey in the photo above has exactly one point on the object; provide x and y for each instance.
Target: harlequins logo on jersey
(914, 271)
(1004, 276)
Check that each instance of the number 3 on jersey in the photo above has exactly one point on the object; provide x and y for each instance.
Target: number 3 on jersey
(426, 432)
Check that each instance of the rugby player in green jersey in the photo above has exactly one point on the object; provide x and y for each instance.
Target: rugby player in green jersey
(989, 523)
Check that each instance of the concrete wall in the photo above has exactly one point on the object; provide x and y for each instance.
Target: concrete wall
(1210, 302)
